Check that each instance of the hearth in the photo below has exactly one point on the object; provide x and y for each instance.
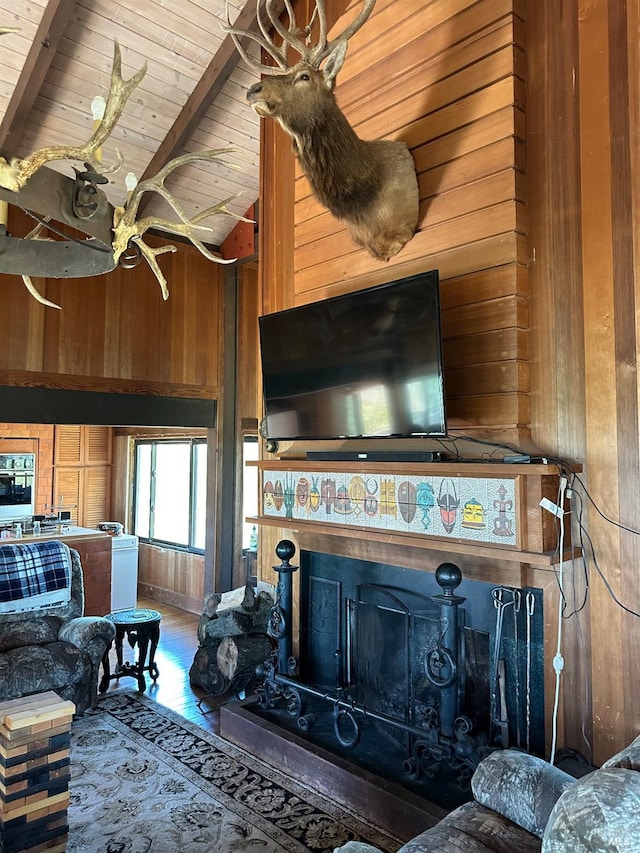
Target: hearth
(411, 675)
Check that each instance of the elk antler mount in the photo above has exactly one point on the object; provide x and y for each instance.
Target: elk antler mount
(111, 233)
(371, 185)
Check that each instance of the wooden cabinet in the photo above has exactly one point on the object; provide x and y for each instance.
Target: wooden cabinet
(95, 556)
(82, 472)
(83, 445)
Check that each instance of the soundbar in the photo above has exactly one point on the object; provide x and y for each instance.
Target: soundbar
(373, 455)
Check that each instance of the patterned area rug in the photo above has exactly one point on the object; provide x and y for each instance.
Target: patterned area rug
(144, 779)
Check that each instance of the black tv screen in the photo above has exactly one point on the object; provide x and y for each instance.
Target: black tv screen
(366, 364)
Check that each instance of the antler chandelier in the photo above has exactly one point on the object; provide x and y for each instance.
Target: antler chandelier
(112, 235)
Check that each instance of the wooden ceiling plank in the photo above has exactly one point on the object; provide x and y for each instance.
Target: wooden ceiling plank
(204, 94)
(43, 48)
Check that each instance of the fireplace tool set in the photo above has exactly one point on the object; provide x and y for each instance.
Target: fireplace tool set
(438, 737)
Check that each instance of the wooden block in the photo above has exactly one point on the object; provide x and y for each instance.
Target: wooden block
(59, 845)
(39, 807)
(34, 750)
(21, 719)
(27, 736)
(12, 751)
(23, 703)
(13, 788)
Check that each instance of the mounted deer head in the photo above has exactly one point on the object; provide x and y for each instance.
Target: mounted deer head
(370, 185)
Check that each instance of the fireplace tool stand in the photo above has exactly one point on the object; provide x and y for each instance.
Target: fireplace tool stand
(443, 741)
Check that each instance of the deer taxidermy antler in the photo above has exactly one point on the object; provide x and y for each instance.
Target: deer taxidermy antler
(128, 229)
(35, 234)
(371, 185)
(16, 172)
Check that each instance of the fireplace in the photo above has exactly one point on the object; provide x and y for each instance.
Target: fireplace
(411, 675)
(366, 579)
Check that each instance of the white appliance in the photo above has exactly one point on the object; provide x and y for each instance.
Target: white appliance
(17, 485)
(124, 571)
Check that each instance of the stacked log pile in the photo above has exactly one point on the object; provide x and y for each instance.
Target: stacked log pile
(233, 641)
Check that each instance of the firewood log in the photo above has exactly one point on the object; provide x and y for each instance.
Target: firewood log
(236, 655)
(210, 604)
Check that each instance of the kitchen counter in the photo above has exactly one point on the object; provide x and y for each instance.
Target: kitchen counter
(70, 535)
(94, 547)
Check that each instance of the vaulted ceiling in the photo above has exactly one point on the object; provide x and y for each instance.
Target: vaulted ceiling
(191, 98)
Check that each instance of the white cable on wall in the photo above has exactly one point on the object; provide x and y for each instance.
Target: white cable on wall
(558, 660)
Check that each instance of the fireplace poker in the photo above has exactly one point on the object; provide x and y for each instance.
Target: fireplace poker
(500, 604)
(530, 605)
(517, 602)
(504, 718)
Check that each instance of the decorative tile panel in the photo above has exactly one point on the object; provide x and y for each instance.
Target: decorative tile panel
(477, 509)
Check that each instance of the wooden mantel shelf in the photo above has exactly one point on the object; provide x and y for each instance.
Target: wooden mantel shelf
(486, 511)
(440, 469)
(542, 560)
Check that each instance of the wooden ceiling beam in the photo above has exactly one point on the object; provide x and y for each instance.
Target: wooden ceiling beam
(52, 26)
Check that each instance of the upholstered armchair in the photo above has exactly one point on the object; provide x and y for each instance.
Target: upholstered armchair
(522, 803)
(46, 645)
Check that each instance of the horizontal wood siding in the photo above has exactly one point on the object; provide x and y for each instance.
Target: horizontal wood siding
(174, 577)
(448, 79)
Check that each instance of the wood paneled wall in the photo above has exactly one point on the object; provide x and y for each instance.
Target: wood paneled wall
(447, 79)
(533, 227)
(174, 577)
(115, 332)
(583, 151)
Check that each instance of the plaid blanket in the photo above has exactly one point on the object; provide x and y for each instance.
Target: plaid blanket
(34, 575)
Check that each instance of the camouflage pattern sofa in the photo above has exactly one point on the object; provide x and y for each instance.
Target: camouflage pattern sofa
(521, 803)
(54, 648)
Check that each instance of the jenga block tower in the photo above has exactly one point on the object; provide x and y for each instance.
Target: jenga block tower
(35, 739)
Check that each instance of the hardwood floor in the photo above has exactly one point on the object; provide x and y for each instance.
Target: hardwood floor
(174, 656)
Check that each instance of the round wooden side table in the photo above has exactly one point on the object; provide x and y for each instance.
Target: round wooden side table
(142, 627)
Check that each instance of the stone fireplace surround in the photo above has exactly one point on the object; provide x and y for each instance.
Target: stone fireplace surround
(528, 565)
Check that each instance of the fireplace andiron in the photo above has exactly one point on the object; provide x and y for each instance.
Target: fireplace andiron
(442, 739)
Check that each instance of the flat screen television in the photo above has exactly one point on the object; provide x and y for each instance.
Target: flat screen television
(366, 364)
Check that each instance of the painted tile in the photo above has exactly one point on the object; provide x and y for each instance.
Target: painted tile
(373, 519)
(447, 493)
(503, 512)
(475, 509)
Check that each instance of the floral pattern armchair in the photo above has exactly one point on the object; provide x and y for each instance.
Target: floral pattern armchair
(54, 648)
